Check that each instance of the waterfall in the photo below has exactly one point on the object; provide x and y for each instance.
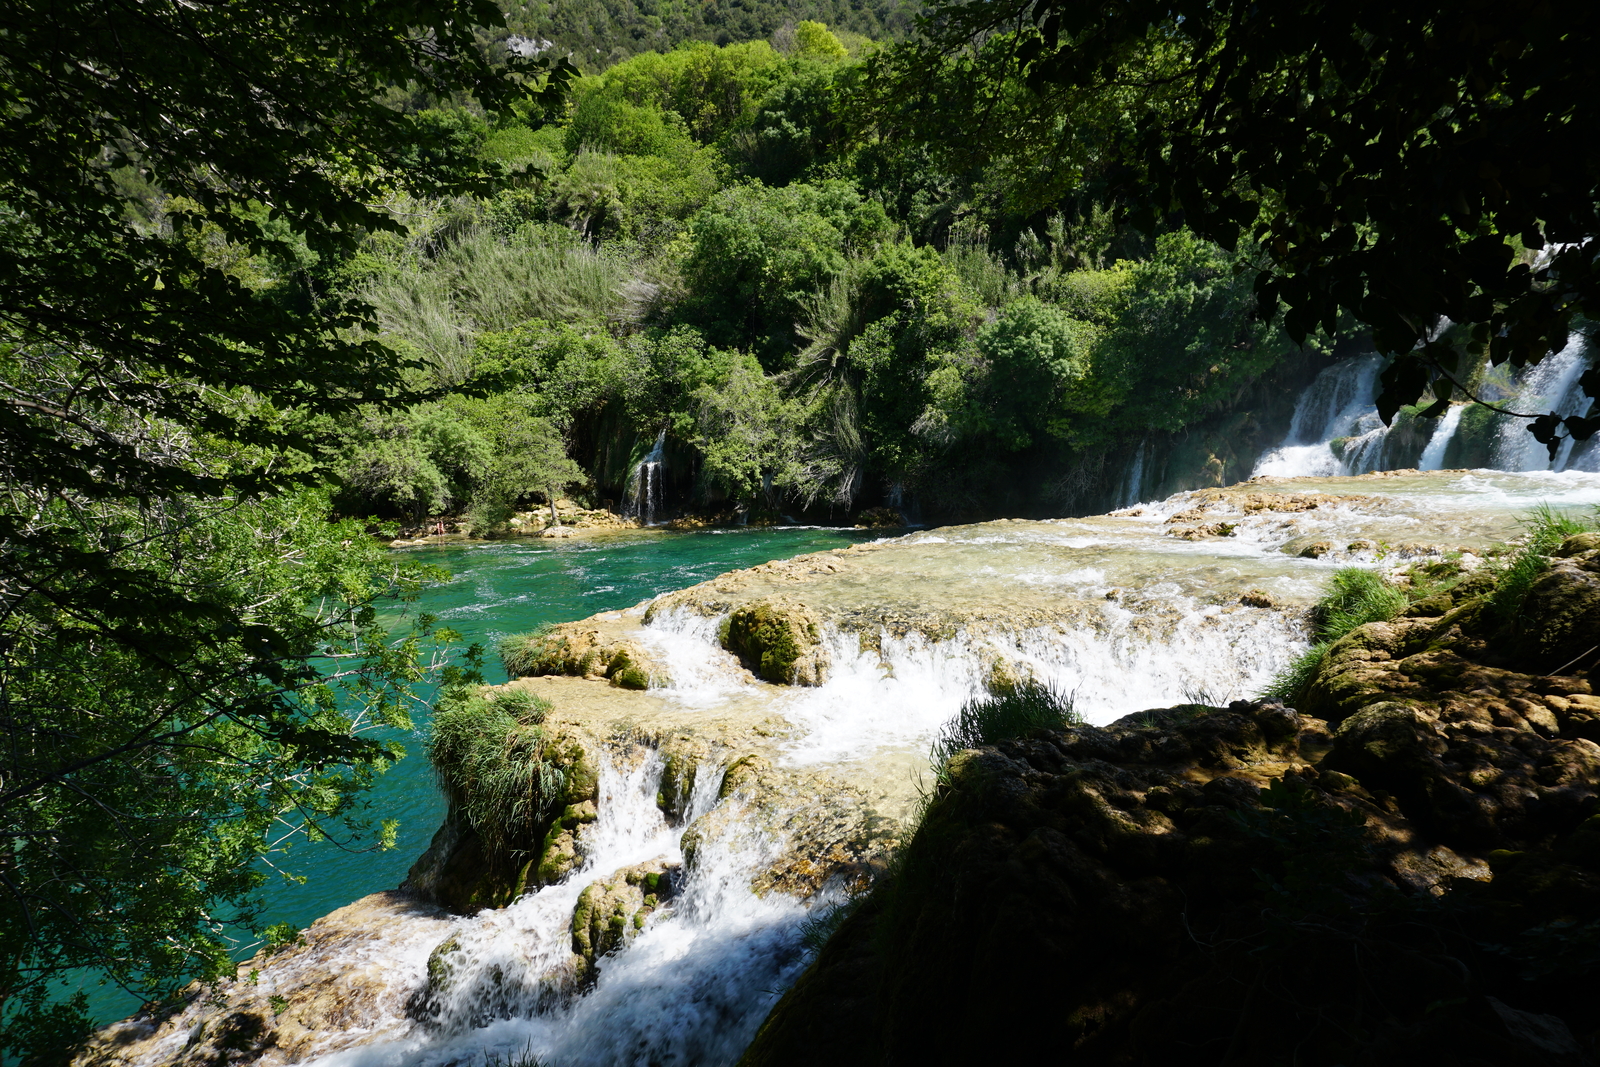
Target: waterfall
(1131, 491)
(1551, 385)
(643, 500)
(1336, 429)
(1439, 443)
(690, 988)
(1337, 405)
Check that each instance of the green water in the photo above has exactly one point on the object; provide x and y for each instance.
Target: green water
(498, 589)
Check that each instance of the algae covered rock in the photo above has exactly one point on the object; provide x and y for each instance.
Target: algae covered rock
(585, 650)
(492, 848)
(611, 912)
(779, 639)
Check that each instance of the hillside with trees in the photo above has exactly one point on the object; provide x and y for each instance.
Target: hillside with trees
(733, 249)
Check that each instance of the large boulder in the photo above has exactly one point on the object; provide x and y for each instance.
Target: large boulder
(1205, 885)
(779, 639)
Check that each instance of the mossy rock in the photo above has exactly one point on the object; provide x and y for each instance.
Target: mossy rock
(583, 651)
(440, 968)
(611, 912)
(780, 640)
(677, 784)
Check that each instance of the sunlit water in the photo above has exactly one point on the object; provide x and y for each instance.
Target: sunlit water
(500, 588)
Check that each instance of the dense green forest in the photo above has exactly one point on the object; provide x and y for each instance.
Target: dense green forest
(599, 33)
(723, 247)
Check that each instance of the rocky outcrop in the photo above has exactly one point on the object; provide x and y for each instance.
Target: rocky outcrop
(612, 911)
(1411, 875)
(779, 639)
(586, 649)
(336, 986)
(461, 873)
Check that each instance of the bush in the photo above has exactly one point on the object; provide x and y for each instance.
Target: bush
(1546, 529)
(1014, 713)
(488, 756)
(1354, 598)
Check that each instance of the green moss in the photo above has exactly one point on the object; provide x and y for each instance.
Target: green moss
(771, 638)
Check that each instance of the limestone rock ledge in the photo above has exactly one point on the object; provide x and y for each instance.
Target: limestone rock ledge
(1412, 876)
(341, 985)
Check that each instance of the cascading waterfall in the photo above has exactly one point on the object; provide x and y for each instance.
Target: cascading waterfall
(1551, 385)
(644, 484)
(691, 988)
(1337, 405)
(1439, 443)
(1336, 429)
(1123, 612)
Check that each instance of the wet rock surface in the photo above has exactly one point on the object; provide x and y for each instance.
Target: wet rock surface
(1411, 875)
(611, 912)
(331, 990)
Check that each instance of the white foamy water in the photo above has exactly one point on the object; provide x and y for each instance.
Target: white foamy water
(1154, 654)
(703, 673)
(1338, 404)
(1134, 618)
(690, 989)
(1433, 455)
(1551, 386)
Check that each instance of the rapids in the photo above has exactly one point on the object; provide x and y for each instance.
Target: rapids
(1197, 598)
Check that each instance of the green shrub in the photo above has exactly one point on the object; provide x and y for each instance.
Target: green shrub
(1025, 707)
(488, 757)
(1354, 598)
(1546, 529)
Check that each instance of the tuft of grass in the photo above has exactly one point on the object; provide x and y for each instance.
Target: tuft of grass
(1354, 598)
(525, 1058)
(1545, 529)
(1013, 713)
(488, 757)
(518, 653)
(826, 919)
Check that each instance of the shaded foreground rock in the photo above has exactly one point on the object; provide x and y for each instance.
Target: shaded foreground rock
(1413, 877)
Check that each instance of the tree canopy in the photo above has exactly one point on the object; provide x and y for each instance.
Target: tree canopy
(190, 653)
(1410, 164)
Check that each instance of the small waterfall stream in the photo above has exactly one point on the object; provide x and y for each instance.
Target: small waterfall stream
(643, 501)
(1439, 443)
(691, 988)
(1552, 385)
